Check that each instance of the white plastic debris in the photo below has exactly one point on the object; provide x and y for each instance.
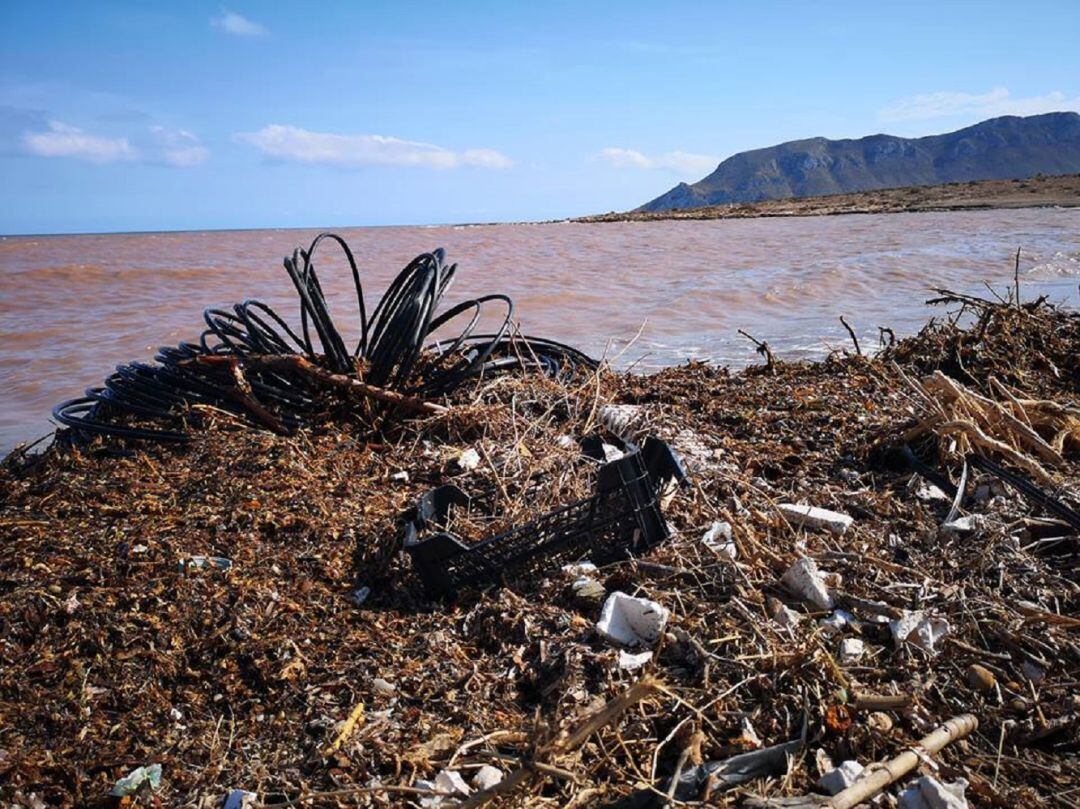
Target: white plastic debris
(929, 493)
(469, 459)
(919, 629)
(964, 525)
(630, 621)
(929, 793)
(136, 779)
(851, 650)
(611, 452)
(814, 517)
(452, 782)
(239, 799)
(175, 714)
(781, 612)
(383, 686)
(579, 569)
(840, 778)
(718, 538)
(487, 777)
(401, 477)
(628, 661)
(804, 580)
(619, 419)
(836, 623)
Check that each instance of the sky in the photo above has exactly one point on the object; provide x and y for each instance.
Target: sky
(124, 116)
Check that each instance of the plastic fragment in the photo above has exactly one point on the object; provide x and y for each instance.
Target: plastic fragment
(804, 580)
(840, 778)
(360, 595)
(630, 621)
(851, 650)
(402, 476)
(579, 569)
(629, 661)
(965, 525)
(919, 629)
(781, 612)
(836, 623)
(450, 786)
(468, 460)
(814, 517)
(718, 538)
(136, 779)
(929, 793)
(383, 686)
(239, 799)
(487, 777)
(205, 562)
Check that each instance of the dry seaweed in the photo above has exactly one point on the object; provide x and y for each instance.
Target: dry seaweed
(311, 670)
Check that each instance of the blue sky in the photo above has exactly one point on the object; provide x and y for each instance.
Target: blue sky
(156, 116)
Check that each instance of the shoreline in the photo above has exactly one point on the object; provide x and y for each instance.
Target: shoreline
(1059, 191)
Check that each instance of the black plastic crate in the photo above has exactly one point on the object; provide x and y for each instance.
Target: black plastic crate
(622, 519)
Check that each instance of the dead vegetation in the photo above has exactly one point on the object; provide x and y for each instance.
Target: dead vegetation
(311, 670)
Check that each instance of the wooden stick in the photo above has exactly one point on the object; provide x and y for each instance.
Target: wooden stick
(884, 773)
(881, 702)
(295, 362)
(1016, 278)
(851, 331)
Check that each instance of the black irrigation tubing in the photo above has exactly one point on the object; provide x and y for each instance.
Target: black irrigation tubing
(397, 347)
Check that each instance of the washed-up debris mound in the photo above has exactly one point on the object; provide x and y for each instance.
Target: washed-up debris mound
(237, 610)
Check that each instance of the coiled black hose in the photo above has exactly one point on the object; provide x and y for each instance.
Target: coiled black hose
(394, 351)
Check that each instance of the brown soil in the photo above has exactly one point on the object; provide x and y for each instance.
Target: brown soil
(1036, 192)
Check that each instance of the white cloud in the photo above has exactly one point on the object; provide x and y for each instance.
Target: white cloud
(683, 164)
(62, 140)
(178, 147)
(998, 101)
(232, 23)
(332, 149)
(159, 144)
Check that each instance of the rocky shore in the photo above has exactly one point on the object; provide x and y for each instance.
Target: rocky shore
(1036, 192)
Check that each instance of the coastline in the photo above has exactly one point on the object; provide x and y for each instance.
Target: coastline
(1036, 192)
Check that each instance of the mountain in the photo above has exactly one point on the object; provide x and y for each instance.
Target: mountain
(1003, 148)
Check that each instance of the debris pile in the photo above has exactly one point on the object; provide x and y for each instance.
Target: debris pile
(808, 633)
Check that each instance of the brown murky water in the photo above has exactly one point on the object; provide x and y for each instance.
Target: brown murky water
(71, 307)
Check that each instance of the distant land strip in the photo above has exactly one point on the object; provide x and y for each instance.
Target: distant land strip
(1035, 192)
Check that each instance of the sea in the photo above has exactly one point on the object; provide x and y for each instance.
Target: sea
(644, 294)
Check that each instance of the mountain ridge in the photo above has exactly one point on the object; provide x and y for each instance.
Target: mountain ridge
(1003, 148)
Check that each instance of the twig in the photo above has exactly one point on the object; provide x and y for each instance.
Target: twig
(762, 349)
(854, 339)
(1016, 278)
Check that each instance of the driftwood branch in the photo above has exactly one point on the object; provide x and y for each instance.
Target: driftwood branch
(304, 366)
(854, 339)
